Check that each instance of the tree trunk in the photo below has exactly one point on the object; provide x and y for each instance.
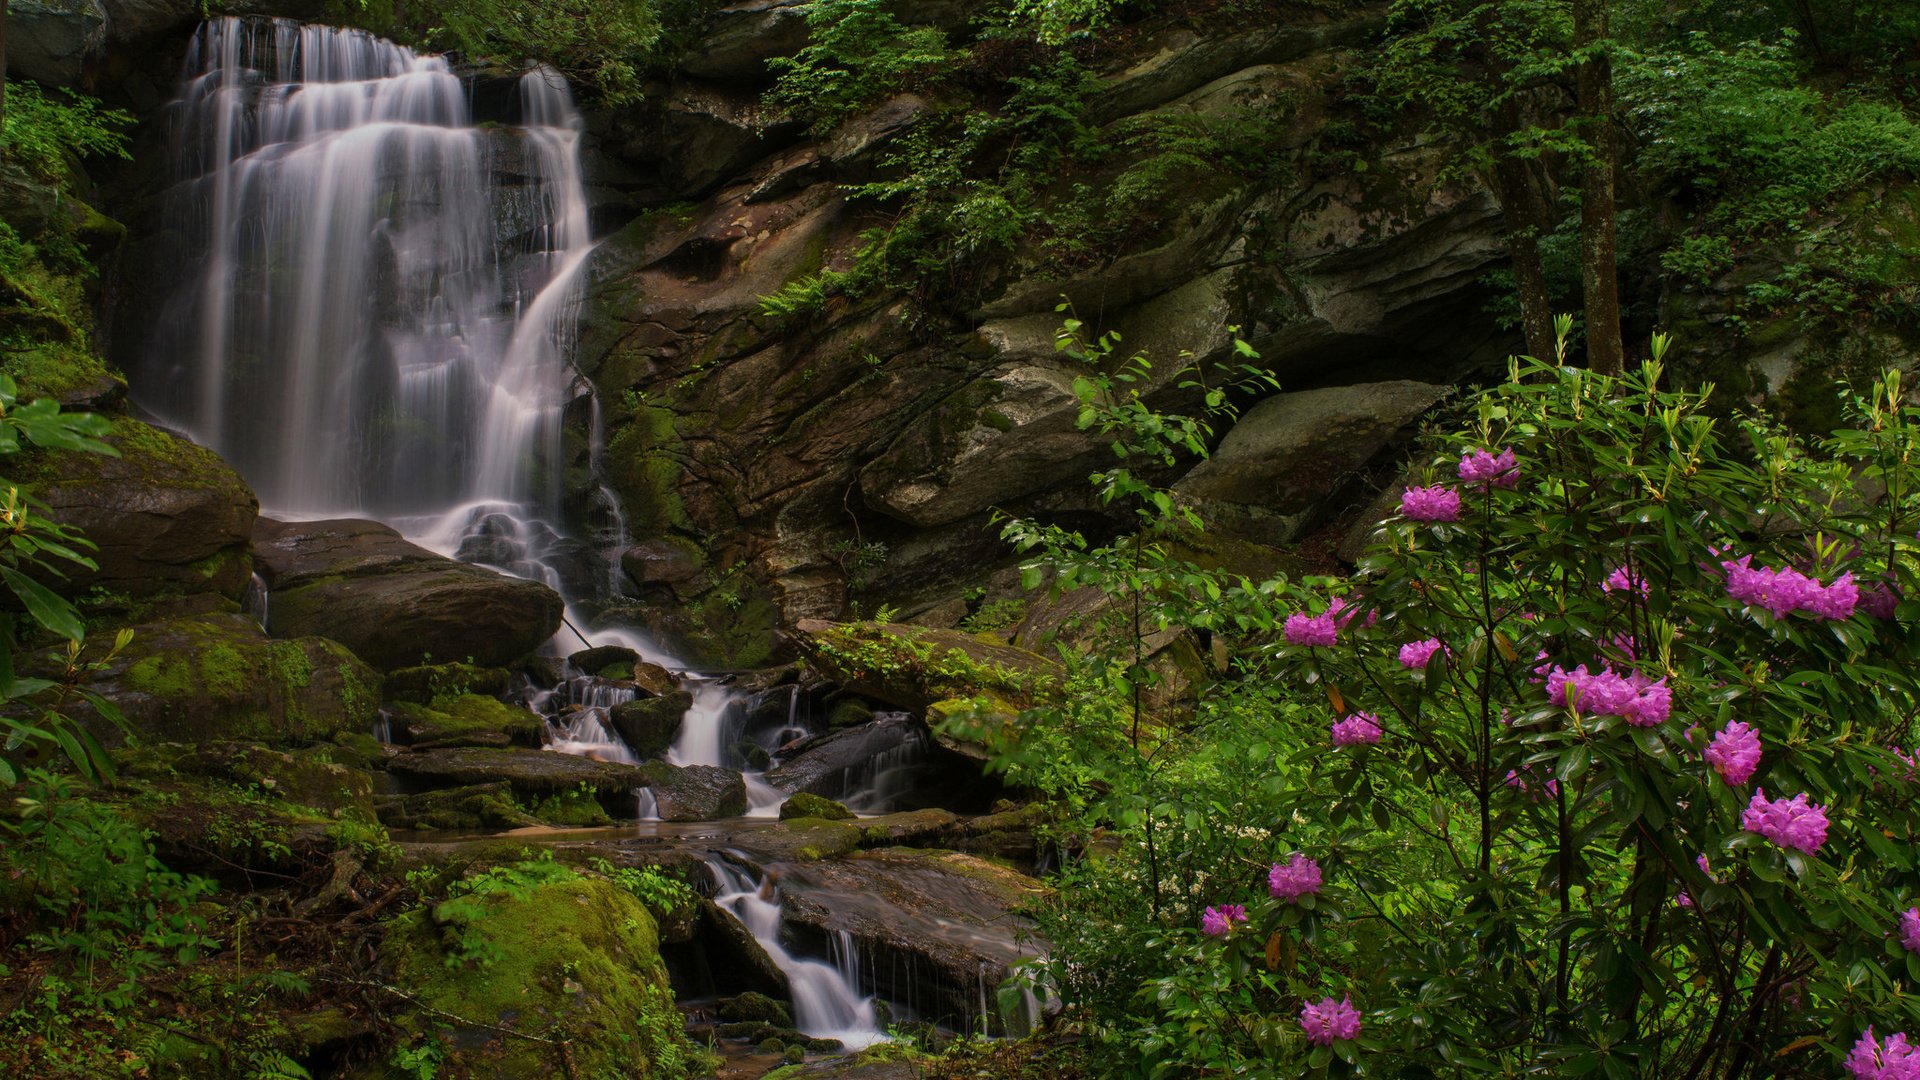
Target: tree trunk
(1599, 269)
(3, 75)
(1524, 208)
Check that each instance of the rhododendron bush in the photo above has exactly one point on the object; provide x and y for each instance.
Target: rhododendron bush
(1601, 763)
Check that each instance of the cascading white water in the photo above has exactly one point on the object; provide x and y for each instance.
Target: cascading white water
(376, 296)
(827, 1002)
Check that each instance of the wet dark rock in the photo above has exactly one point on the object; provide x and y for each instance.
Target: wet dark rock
(613, 661)
(169, 517)
(737, 956)
(953, 914)
(820, 765)
(392, 602)
(528, 772)
(49, 41)
(425, 682)
(695, 792)
(755, 1006)
(462, 809)
(649, 725)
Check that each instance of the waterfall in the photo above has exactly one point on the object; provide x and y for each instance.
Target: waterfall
(827, 1002)
(375, 296)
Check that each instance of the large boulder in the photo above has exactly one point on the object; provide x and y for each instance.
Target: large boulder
(531, 773)
(464, 720)
(216, 676)
(1275, 473)
(395, 603)
(936, 928)
(649, 725)
(558, 975)
(49, 41)
(695, 792)
(168, 516)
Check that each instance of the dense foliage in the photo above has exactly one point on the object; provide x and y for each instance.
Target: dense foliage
(1603, 762)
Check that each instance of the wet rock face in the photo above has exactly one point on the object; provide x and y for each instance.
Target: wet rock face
(48, 41)
(530, 773)
(650, 725)
(952, 914)
(821, 765)
(167, 516)
(394, 603)
(695, 792)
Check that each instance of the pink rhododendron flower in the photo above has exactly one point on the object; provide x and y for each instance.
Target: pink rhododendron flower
(1328, 1021)
(1881, 601)
(1910, 929)
(1430, 504)
(1478, 468)
(1526, 784)
(1305, 629)
(1734, 753)
(1342, 613)
(1790, 823)
(1355, 729)
(1415, 654)
(1642, 702)
(1784, 592)
(1624, 579)
(1896, 1059)
(1293, 879)
(1217, 921)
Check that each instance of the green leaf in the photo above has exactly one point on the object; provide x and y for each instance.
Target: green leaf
(47, 608)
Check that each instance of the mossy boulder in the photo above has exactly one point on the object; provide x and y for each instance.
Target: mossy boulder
(303, 777)
(465, 720)
(168, 517)
(465, 809)
(539, 972)
(533, 774)
(649, 725)
(753, 1005)
(209, 677)
(396, 604)
(425, 682)
(808, 805)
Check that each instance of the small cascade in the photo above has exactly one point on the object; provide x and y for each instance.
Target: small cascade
(876, 785)
(383, 727)
(827, 1002)
(577, 713)
(254, 601)
(647, 808)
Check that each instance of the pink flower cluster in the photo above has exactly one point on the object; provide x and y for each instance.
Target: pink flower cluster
(1305, 629)
(1910, 929)
(1625, 580)
(1415, 654)
(1358, 728)
(1434, 503)
(1217, 921)
(1328, 1021)
(1735, 753)
(1479, 468)
(1790, 823)
(1784, 592)
(1525, 782)
(1641, 701)
(1896, 1059)
(1297, 877)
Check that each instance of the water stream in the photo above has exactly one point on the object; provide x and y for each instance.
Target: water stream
(827, 1002)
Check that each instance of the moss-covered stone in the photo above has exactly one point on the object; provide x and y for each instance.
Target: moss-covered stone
(539, 973)
(480, 807)
(753, 1005)
(915, 666)
(649, 725)
(807, 805)
(465, 720)
(423, 683)
(217, 676)
(301, 776)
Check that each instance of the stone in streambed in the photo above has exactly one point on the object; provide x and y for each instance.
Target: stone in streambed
(808, 805)
(393, 603)
(695, 792)
(531, 773)
(462, 809)
(612, 661)
(649, 725)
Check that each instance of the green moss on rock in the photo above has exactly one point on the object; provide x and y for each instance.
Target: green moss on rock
(552, 971)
